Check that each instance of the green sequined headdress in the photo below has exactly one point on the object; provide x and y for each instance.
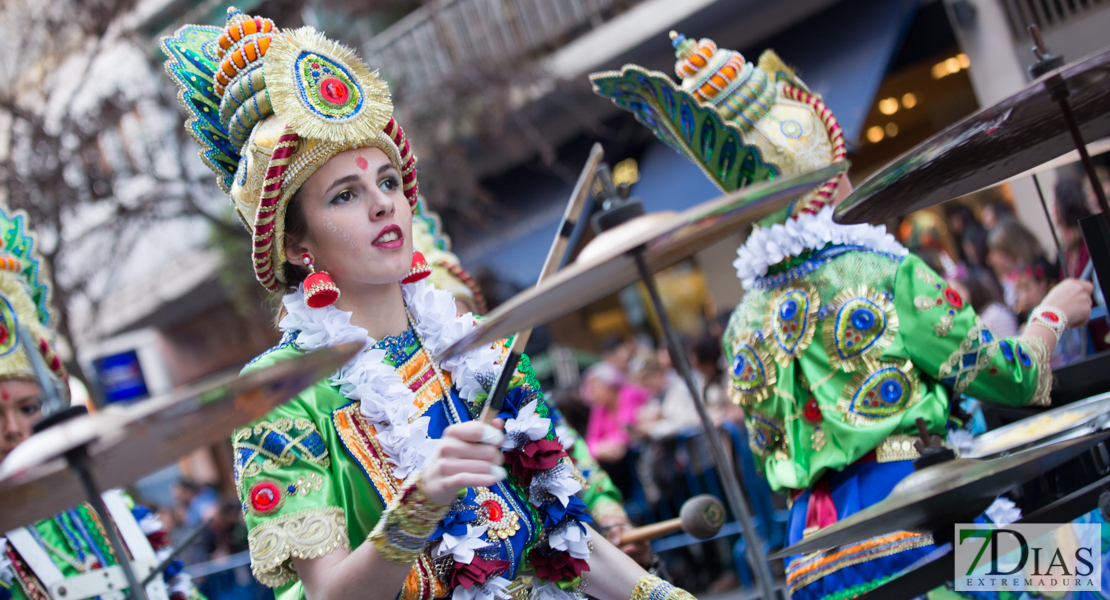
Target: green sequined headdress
(740, 123)
(25, 299)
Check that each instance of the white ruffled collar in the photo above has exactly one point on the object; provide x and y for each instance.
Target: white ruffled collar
(386, 402)
(768, 246)
(389, 405)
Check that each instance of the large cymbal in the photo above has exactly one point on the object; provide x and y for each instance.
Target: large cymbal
(986, 148)
(126, 443)
(606, 265)
(953, 491)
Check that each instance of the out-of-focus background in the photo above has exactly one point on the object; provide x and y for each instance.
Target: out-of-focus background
(151, 269)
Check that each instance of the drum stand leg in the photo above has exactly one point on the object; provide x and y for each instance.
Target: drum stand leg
(731, 485)
(78, 461)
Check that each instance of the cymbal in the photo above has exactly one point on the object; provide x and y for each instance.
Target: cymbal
(943, 494)
(1064, 423)
(1000, 141)
(606, 265)
(125, 443)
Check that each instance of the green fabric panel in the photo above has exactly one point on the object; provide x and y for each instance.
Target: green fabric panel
(1010, 383)
(344, 483)
(789, 460)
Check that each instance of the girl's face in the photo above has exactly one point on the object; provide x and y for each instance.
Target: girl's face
(1030, 292)
(358, 220)
(1000, 262)
(19, 410)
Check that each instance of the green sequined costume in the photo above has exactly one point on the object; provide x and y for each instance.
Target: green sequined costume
(841, 361)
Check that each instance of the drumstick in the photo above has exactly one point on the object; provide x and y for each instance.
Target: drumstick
(701, 516)
(550, 265)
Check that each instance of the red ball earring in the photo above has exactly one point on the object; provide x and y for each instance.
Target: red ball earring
(319, 289)
(420, 269)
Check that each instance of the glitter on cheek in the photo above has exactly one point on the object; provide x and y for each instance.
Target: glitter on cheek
(342, 234)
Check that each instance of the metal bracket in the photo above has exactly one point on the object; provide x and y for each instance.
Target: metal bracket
(106, 581)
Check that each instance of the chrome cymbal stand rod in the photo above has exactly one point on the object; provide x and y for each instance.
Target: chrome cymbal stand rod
(1060, 258)
(1058, 91)
(78, 461)
(733, 493)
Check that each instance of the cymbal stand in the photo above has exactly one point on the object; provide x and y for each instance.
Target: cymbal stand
(78, 462)
(618, 208)
(1096, 230)
(733, 493)
(78, 459)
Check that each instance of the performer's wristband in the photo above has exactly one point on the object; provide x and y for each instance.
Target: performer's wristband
(650, 587)
(407, 523)
(1050, 317)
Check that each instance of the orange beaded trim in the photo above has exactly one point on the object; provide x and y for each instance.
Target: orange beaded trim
(690, 65)
(238, 60)
(721, 79)
(241, 30)
(10, 263)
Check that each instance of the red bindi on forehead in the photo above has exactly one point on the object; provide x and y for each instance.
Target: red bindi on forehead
(5, 395)
(362, 163)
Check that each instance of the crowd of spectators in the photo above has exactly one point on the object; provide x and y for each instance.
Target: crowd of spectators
(998, 265)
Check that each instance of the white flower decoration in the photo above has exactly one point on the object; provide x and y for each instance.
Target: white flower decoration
(386, 402)
(768, 246)
(526, 424)
(574, 539)
(545, 590)
(462, 547)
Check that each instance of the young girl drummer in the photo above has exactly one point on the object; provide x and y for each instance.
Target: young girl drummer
(377, 481)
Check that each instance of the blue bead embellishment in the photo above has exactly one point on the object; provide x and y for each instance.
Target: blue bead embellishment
(789, 310)
(1023, 357)
(891, 391)
(863, 319)
(1007, 350)
(738, 365)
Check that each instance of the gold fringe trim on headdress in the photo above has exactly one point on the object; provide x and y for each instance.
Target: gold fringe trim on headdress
(322, 90)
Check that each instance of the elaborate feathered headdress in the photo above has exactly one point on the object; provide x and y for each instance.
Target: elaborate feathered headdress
(740, 123)
(270, 107)
(25, 297)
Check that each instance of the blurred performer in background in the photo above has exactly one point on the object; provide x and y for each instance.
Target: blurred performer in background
(819, 349)
(377, 481)
(41, 555)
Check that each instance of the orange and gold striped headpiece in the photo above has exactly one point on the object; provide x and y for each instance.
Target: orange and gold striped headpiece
(270, 107)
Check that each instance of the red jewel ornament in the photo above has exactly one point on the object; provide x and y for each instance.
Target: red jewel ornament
(1046, 315)
(265, 497)
(493, 511)
(334, 91)
(3, 334)
(811, 410)
(320, 290)
(420, 269)
(953, 297)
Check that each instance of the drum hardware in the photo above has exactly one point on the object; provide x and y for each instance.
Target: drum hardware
(930, 447)
(77, 458)
(924, 577)
(178, 548)
(932, 499)
(125, 443)
(551, 264)
(632, 250)
(1046, 119)
(701, 517)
